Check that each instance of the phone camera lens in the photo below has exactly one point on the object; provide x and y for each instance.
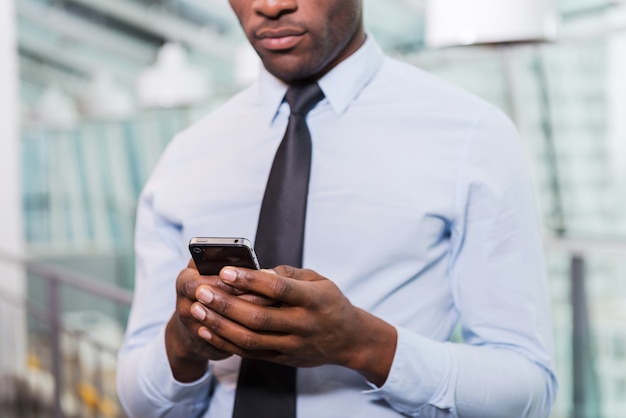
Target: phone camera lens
(197, 250)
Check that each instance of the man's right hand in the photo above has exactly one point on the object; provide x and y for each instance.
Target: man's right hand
(187, 353)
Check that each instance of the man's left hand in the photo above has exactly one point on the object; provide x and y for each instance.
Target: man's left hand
(314, 325)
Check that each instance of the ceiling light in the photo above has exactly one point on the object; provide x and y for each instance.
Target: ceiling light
(467, 22)
(104, 99)
(172, 81)
(54, 109)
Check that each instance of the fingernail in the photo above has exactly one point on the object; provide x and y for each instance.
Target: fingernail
(204, 295)
(198, 312)
(205, 334)
(228, 275)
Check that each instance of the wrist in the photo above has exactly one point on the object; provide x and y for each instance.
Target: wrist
(185, 366)
(377, 348)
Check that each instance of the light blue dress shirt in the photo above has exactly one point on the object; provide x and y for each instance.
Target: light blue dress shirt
(420, 209)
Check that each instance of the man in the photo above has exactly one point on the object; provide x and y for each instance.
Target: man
(420, 216)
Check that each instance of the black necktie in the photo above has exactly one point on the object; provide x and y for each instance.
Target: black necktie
(268, 390)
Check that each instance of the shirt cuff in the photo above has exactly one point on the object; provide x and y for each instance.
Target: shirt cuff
(420, 374)
(159, 382)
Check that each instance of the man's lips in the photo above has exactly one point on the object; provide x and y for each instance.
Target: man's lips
(279, 39)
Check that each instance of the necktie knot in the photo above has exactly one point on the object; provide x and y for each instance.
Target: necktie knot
(303, 97)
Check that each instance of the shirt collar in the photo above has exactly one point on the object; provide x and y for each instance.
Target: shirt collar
(340, 86)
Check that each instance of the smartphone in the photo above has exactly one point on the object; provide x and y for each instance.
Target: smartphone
(212, 253)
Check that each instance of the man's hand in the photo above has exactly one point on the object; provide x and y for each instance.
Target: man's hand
(187, 352)
(314, 325)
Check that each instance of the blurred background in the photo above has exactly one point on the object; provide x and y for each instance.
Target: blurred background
(93, 90)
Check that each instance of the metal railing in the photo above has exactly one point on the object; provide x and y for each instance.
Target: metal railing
(64, 399)
(585, 396)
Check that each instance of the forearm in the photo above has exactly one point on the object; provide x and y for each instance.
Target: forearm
(508, 382)
(185, 368)
(430, 378)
